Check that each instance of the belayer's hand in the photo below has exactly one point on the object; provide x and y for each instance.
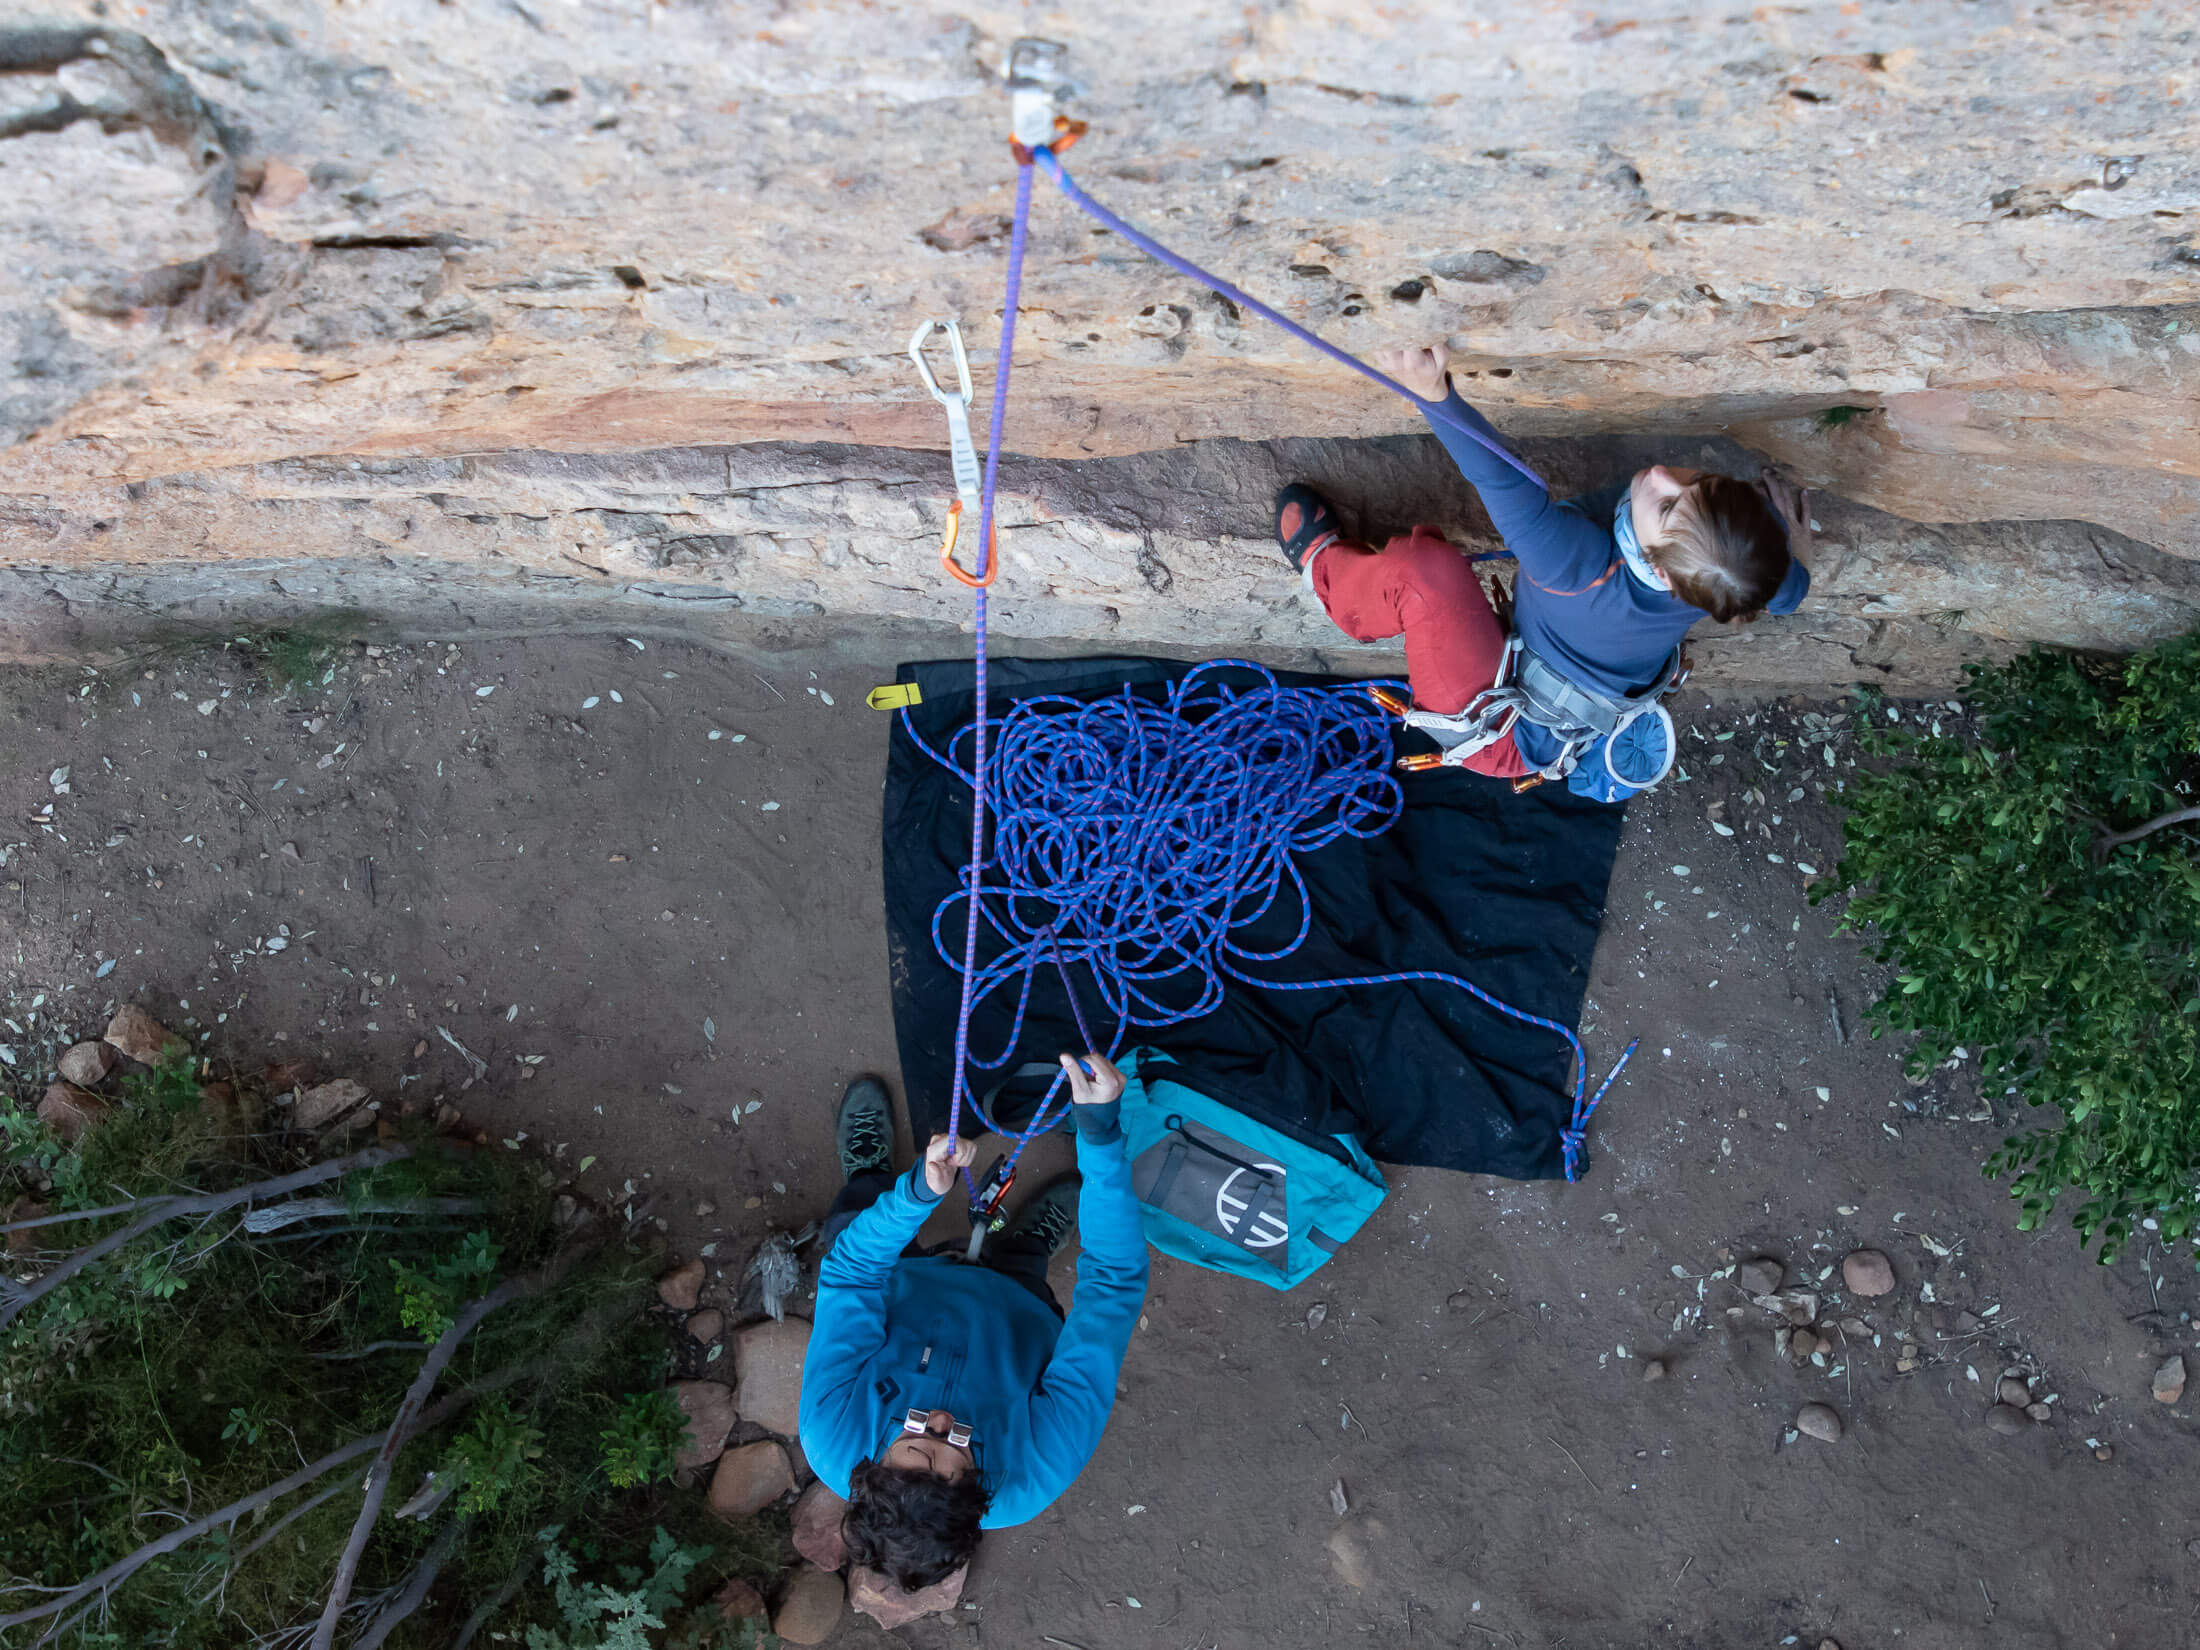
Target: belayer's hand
(1105, 1083)
(942, 1158)
(1425, 371)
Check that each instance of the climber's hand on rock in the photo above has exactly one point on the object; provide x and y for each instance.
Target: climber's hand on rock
(1424, 371)
(1793, 504)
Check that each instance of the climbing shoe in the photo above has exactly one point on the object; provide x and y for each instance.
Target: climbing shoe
(863, 1129)
(1304, 524)
(1049, 1217)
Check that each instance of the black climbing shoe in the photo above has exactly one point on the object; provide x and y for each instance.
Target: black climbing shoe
(1304, 523)
(863, 1129)
(1049, 1217)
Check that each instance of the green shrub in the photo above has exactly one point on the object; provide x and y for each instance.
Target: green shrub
(203, 1361)
(1980, 865)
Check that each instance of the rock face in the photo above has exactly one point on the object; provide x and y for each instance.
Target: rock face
(811, 1609)
(682, 1287)
(711, 1414)
(144, 1039)
(245, 328)
(891, 1606)
(1867, 1272)
(69, 1110)
(749, 1479)
(817, 1515)
(87, 1064)
(768, 1359)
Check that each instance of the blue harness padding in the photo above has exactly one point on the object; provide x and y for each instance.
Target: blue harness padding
(1223, 1190)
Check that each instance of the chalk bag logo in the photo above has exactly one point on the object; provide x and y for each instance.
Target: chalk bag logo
(1235, 1196)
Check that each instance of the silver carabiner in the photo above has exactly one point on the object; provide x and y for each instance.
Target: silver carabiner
(961, 452)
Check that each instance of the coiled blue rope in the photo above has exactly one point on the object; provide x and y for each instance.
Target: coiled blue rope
(1139, 836)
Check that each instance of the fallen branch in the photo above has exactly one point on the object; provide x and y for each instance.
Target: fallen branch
(2110, 841)
(123, 1568)
(486, 1610)
(431, 1370)
(15, 1298)
(414, 1592)
(277, 1216)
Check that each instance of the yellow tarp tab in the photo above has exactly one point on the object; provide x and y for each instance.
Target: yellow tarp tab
(894, 696)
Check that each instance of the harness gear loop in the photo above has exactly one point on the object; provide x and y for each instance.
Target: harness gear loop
(962, 453)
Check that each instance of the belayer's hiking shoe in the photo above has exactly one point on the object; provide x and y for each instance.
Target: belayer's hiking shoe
(863, 1129)
(1049, 1217)
(1304, 524)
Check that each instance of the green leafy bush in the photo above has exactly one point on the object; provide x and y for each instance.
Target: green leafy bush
(1981, 865)
(206, 1359)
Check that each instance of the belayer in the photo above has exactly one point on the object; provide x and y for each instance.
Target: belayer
(1608, 586)
(943, 1398)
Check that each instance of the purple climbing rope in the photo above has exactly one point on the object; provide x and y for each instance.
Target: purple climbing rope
(984, 567)
(1052, 165)
(1573, 1137)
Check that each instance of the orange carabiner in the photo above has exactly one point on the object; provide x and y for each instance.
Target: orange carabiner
(947, 551)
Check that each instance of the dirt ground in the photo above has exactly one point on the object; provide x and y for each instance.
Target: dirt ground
(641, 883)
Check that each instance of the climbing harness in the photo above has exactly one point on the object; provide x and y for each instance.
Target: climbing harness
(1529, 690)
(1148, 832)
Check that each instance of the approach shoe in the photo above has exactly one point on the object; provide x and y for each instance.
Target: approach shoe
(863, 1129)
(1304, 524)
(1049, 1217)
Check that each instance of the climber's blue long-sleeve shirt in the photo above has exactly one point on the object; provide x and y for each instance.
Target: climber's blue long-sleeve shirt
(1575, 603)
(894, 1334)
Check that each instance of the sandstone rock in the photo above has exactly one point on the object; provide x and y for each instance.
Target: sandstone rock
(811, 1609)
(281, 1076)
(817, 1516)
(737, 1601)
(2007, 1421)
(1867, 1272)
(69, 1110)
(749, 1479)
(140, 1036)
(137, 202)
(87, 1064)
(767, 1357)
(711, 1414)
(891, 1606)
(2169, 1378)
(1819, 1421)
(1653, 1369)
(2013, 1391)
(2040, 1412)
(706, 1326)
(327, 1104)
(1761, 1276)
(682, 1287)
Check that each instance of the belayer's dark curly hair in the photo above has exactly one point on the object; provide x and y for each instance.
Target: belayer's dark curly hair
(912, 1526)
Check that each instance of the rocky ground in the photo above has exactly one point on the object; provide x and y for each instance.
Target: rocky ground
(617, 902)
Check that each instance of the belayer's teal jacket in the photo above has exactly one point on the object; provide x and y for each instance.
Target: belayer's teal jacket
(895, 1333)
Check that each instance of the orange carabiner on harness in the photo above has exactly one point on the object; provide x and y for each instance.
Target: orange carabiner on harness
(947, 551)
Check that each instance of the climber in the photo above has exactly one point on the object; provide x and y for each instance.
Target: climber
(1608, 586)
(943, 1398)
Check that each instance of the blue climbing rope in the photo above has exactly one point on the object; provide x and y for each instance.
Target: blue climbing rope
(1149, 833)
(1140, 837)
(1051, 164)
(984, 564)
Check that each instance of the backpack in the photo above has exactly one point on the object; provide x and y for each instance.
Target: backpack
(1223, 1190)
